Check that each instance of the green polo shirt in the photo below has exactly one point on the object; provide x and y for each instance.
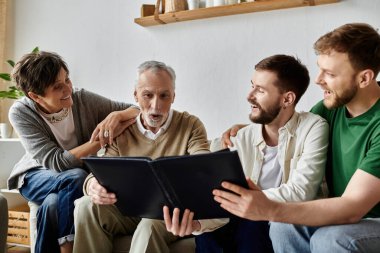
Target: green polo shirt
(354, 144)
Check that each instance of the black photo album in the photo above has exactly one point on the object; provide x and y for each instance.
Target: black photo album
(143, 186)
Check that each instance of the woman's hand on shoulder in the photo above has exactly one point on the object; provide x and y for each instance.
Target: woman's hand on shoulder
(112, 126)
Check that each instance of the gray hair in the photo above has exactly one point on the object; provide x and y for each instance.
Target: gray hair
(155, 66)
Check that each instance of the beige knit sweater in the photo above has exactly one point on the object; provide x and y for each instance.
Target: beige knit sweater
(185, 135)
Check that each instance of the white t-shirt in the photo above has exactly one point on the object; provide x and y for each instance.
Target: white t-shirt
(63, 128)
(271, 174)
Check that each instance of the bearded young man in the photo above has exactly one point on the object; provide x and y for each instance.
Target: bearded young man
(282, 151)
(349, 221)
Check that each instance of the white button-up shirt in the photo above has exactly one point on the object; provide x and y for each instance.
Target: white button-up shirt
(302, 150)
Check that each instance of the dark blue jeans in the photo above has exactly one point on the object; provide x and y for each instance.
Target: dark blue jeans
(238, 236)
(55, 193)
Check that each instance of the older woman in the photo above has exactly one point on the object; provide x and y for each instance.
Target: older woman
(55, 123)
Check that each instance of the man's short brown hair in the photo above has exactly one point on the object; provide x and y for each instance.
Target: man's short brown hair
(291, 74)
(360, 41)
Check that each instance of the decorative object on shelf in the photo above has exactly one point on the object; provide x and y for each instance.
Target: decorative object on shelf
(5, 130)
(219, 2)
(147, 10)
(209, 3)
(193, 4)
(175, 5)
(12, 92)
(160, 7)
(231, 2)
(242, 7)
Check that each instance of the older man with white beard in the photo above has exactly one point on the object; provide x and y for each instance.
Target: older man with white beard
(159, 131)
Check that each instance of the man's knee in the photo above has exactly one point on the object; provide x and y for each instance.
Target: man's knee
(282, 233)
(83, 206)
(148, 226)
(326, 238)
(345, 238)
(85, 211)
(279, 230)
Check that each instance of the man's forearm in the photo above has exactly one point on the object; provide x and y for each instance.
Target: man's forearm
(320, 212)
(88, 148)
(361, 195)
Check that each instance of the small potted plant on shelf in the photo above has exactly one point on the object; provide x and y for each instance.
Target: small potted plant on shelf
(12, 92)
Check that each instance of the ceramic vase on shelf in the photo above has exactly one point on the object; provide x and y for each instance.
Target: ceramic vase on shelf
(175, 5)
(193, 4)
(219, 2)
(209, 3)
(5, 130)
(232, 1)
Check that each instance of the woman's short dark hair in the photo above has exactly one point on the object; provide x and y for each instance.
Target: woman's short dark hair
(35, 72)
(291, 74)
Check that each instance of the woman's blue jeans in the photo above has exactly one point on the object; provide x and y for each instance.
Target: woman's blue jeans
(55, 192)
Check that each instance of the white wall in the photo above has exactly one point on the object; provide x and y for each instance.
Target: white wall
(213, 58)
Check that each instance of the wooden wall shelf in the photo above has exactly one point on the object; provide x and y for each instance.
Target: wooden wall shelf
(218, 11)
